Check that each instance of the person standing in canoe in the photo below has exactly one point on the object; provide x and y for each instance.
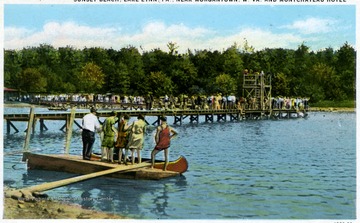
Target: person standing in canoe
(136, 138)
(90, 125)
(122, 139)
(108, 143)
(163, 136)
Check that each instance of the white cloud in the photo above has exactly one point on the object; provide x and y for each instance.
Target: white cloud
(312, 26)
(152, 35)
(261, 39)
(157, 35)
(16, 32)
(58, 34)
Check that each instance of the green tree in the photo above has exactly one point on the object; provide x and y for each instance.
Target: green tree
(209, 65)
(48, 55)
(247, 48)
(326, 56)
(31, 80)
(12, 67)
(119, 82)
(71, 62)
(54, 82)
(233, 65)
(29, 58)
(184, 74)
(69, 87)
(96, 55)
(225, 84)
(172, 48)
(157, 60)
(91, 78)
(280, 85)
(131, 57)
(322, 75)
(302, 65)
(346, 69)
(161, 84)
(326, 77)
(315, 92)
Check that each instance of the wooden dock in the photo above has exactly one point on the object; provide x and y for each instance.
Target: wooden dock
(179, 116)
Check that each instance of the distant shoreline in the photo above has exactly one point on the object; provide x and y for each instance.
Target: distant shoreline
(331, 109)
(311, 109)
(20, 105)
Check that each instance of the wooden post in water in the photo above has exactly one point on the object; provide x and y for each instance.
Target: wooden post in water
(42, 125)
(29, 129)
(69, 128)
(33, 126)
(9, 124)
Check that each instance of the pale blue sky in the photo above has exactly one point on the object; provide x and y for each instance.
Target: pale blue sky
(191, 26)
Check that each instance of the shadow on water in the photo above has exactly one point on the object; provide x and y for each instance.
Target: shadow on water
(120, 196)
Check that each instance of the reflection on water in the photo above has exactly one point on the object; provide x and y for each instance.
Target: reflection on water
(269, 169)
(111, 195)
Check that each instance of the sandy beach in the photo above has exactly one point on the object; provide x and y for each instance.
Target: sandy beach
(49, 209)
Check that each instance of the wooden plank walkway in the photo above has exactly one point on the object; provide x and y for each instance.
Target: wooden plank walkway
(179, 115)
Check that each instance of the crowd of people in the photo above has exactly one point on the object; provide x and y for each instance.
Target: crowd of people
(182, 101)
(290, 103)
(127, 138)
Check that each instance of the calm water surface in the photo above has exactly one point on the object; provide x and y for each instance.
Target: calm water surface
(268, 169)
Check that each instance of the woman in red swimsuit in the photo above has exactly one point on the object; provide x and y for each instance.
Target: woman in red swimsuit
(164, 134)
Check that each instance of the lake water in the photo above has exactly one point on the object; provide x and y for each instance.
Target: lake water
(250, 169)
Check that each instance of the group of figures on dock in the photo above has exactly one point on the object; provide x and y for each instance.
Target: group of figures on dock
(124, 139)
(150, 102)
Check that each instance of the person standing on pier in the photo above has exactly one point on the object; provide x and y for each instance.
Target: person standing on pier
(122, 139)
(136, 138)
(164, 133)
(108, 143)
(90, 124)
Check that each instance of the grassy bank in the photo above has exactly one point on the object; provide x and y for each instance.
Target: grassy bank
(334, 104)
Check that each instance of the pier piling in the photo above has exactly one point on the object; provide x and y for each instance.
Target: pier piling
(29, 129)
(69, 128)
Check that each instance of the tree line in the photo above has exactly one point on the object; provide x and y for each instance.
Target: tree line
(322, 75)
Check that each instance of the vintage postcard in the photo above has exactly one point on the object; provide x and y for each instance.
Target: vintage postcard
(201, 110)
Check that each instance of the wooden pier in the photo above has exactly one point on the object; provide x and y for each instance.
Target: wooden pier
(257, 104)
(179, 116)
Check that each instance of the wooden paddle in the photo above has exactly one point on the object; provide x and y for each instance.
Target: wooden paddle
(27, 192)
